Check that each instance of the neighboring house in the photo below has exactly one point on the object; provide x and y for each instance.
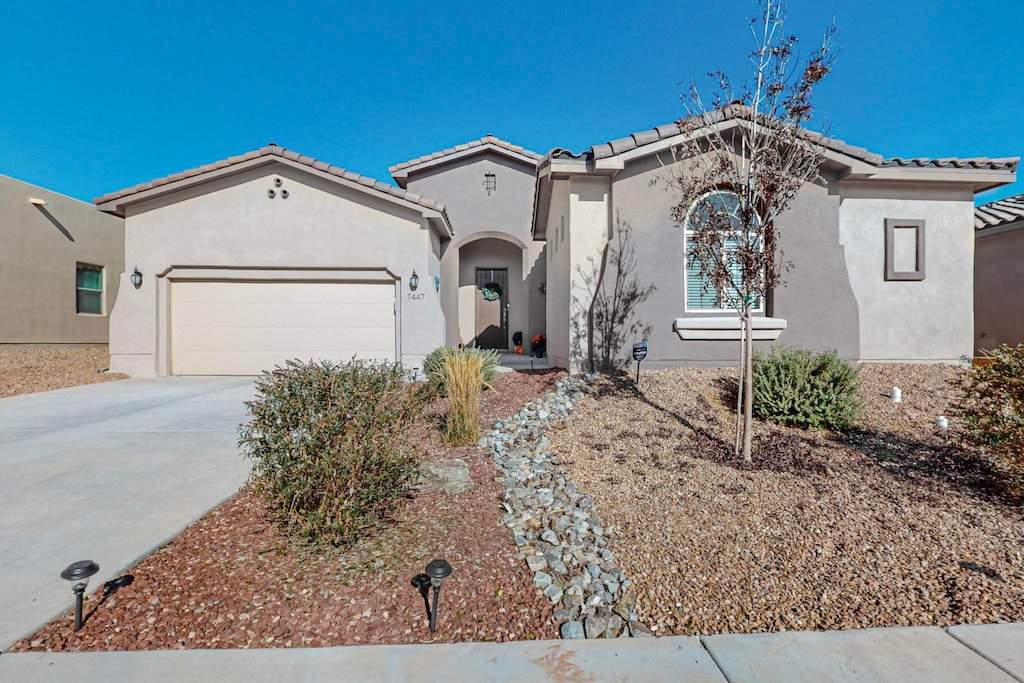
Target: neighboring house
(60, 261)
(882, 253)
(273, 255)
(999, 273)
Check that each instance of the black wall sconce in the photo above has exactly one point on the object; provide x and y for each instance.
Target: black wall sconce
(490, 183)
(136, 278)
(414, 281)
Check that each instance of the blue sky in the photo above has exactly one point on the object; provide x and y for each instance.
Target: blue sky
(101, 96)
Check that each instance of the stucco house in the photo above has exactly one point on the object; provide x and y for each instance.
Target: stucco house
(273, 255)
(60, 261)
(999, 273)
(882, 248)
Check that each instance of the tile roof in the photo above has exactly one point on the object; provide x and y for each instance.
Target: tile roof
(274, 150)
(485, 140)
(1002, 212)
(646, 137)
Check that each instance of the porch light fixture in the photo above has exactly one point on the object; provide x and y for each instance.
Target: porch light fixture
(437, 283)
(490, 183)
(136, 278)
(78, 574)
(414, 281)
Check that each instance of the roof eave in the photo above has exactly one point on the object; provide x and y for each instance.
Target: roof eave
(401, 174)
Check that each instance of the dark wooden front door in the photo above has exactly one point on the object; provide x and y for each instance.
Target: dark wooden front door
(492, 308)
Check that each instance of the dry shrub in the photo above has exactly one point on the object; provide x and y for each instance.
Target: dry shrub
(434, 366)
(992, 408)
(330, 445)
(464, 381)
(800, 388)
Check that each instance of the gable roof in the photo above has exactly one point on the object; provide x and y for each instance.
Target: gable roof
(114, 201)
(670, 130)
(999, 213)
(400, 172)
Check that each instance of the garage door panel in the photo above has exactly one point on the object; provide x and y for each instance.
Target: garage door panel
(244, 328)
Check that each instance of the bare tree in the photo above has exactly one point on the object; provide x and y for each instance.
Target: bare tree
(745, 158)
(610, 295)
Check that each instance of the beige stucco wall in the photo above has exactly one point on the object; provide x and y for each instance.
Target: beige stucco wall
(999, 289)
(40, 247)
(928, 320)
(835, 297)
(230, 223)
(504, 214)
(557, 252)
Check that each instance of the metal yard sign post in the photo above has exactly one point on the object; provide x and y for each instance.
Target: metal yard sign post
(639, 353)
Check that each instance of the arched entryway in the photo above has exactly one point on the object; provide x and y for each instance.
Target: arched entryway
(492, 288)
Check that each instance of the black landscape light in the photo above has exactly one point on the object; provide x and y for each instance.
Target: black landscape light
(639, 353)
(78, 574)
(437, 571)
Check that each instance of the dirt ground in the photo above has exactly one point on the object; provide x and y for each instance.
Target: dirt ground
(29, 369)
(891, 524)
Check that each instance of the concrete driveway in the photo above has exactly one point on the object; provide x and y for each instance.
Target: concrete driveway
(107, 472)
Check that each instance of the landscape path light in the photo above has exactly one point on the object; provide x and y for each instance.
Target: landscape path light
(438, 571)
(78, 573)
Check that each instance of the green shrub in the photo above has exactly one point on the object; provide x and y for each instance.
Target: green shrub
(330, 446)
(434, 365)
(992, 407)
(805, 389)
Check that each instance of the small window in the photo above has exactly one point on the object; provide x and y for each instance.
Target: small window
(89, 286)
(904, 249)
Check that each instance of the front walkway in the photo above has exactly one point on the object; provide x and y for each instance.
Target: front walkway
(522, 361)
(963, 653)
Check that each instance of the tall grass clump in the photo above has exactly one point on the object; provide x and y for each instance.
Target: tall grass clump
(801, 388)
(992, 408)
(434, 366)
(465, 376)
(330, 445)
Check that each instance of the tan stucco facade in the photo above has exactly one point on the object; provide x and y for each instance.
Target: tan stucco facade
(229, 229)
(41, 246)
(837, 296)
(999, 287)
(492, 231)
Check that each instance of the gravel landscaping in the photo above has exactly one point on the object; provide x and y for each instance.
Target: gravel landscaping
(28, 369)
(232, 580)
(892, 524)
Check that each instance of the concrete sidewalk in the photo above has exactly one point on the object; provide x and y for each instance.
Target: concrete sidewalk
(107, 472)
(963, 653)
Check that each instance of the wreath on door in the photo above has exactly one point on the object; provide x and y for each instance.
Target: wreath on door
(491, 292)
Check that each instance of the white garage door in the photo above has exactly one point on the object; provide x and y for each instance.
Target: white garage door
(244, 328)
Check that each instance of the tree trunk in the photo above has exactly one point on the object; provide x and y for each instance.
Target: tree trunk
(739, 391)
(748, 385)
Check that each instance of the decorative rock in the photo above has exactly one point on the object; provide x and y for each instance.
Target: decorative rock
(594, 627)
(542, 580)
(536, 563)
(553, 593)
(451, 477)
(572, 630)
(550, 537)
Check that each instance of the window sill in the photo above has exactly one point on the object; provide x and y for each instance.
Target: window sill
(727, 328)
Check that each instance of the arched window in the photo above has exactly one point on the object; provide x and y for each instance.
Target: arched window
(725, 206)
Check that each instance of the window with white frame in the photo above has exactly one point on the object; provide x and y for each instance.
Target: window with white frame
(89, 289)
(699, 295)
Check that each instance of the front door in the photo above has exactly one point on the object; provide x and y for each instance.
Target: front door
(492, 308)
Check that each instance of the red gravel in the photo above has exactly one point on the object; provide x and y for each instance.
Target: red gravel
(232, 580)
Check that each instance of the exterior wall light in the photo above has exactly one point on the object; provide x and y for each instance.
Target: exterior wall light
(490, 183)
(437, 283)
(78, 574)
(414, 281)
(136, 278)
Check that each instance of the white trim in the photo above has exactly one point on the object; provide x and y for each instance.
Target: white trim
(727, 328)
